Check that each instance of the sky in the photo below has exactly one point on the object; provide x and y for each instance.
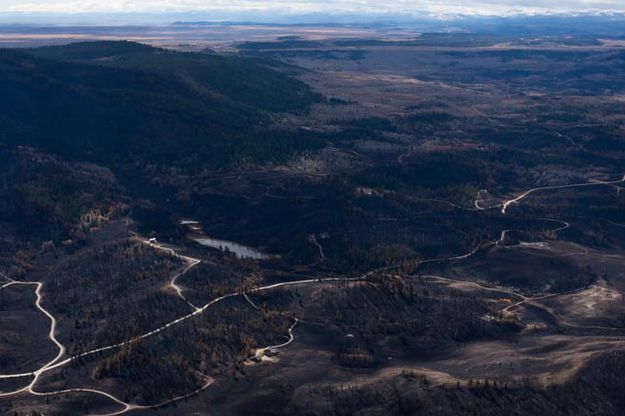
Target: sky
(285, 7)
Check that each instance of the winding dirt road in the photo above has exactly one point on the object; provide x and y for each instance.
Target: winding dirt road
(59, 362)
(516, 200)
(529, 300)
(190, 261)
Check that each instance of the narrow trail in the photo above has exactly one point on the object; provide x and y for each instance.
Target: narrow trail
(190, 261)
(313, 239)
(567, 138)
(565, 224)
(504, 233)
(7, 278)
(476, 203)
(502, 237)
(450, 203)
(456, 258)
(179, 290)
(251, 302)
(446, 280)
(616, 224)
(289, 341)
(262, 351)
(617, 188)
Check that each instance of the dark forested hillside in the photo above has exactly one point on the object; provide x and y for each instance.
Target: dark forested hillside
(119, 101)
(46, 200)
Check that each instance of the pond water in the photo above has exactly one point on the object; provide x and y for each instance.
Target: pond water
(239, 250)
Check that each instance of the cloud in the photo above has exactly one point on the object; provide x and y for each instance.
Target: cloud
(484, 7)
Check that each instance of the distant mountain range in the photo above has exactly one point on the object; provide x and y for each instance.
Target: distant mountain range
(596, 22)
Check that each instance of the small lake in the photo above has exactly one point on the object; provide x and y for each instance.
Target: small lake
(239, 250)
